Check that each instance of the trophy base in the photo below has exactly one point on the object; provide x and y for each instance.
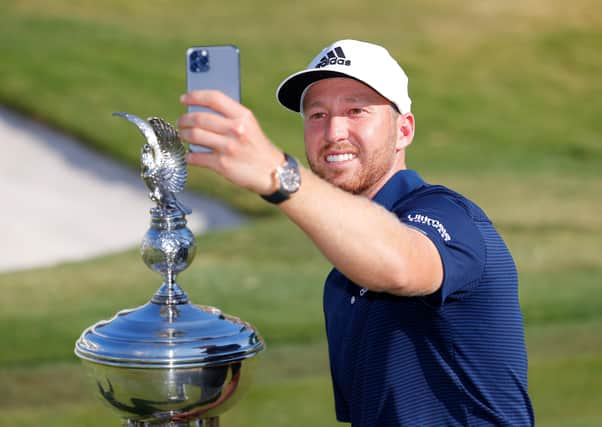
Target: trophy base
(208, 422)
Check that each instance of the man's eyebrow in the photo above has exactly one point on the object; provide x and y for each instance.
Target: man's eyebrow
(352, 99)
(357, 99)
(313, 104)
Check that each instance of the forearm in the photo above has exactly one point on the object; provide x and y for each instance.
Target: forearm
(363, 240)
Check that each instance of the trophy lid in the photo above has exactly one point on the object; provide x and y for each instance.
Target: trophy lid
(169, 336)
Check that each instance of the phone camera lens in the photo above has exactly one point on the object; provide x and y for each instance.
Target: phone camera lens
(199, 61)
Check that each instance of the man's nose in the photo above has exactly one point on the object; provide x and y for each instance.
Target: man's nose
(337, 129)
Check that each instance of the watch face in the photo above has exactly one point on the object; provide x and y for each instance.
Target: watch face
(289, 180)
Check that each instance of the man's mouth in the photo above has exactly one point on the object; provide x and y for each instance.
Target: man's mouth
(338, 158)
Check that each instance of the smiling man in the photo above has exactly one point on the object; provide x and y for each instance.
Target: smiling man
(340, 110)
(422, 314)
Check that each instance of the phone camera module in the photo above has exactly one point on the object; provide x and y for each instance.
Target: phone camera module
(199, 61)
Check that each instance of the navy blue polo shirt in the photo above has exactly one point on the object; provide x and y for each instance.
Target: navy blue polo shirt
(454, 358)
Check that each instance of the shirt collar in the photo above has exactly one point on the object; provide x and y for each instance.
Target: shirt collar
(397, 187)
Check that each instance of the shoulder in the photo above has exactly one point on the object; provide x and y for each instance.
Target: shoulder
(444, 212)
(442, 199)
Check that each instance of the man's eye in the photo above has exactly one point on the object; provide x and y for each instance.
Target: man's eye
(355, 111)
(318, 115)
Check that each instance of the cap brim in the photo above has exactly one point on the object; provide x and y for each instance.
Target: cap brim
(290, 90)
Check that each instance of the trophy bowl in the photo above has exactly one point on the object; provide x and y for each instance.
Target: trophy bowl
(170, 395)
(169, 364)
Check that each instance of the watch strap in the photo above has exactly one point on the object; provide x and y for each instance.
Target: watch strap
(276, 197)
(280, 195)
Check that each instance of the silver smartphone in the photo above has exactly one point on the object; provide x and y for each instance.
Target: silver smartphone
(213, 67)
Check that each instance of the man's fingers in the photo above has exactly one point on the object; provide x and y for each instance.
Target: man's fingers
(214, 100)
(199, 159)
(202, 137)
(209, 121)
(210, 160)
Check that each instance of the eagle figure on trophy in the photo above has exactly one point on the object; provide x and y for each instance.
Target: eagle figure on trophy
(163, 161)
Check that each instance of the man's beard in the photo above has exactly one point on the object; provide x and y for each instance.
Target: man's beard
(372, 169)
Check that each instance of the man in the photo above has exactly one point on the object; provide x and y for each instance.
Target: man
(422, 314)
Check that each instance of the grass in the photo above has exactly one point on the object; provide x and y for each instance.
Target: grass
(507, 85)
(248, 272)
(42, 378)
(507, 97)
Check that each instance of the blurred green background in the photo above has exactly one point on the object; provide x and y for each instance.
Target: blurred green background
(507, 97)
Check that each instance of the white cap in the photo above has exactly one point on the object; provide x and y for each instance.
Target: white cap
(369, 63)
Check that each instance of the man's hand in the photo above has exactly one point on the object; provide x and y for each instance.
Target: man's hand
(241, 151)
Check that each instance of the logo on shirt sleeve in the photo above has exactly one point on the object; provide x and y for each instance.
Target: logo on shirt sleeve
(423, 219)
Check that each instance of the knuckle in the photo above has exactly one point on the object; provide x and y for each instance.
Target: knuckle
(186, 121)
(239, 128)
(193, 135)
(230, 149)
(223, 164)
(243, 123)
(197, 120)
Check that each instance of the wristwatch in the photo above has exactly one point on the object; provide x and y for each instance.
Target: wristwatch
(288, 179)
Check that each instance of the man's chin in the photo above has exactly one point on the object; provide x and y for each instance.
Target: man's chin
(342, 179)
(348, 185)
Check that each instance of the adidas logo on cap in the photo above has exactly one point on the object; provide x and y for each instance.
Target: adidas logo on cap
(335, 56)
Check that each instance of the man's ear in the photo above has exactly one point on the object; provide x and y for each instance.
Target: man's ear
(406, 127)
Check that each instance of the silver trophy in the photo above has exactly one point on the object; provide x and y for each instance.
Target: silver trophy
(168, 363)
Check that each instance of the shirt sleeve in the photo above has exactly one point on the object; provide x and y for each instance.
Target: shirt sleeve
(449, 225)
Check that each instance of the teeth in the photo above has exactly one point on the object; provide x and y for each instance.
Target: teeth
(333, 158)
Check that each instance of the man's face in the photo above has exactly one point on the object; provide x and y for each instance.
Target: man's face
(351, 135)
